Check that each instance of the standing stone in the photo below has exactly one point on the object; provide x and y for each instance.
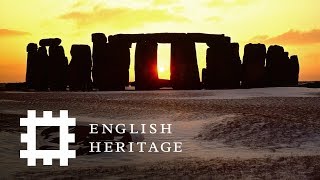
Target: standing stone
(100, 64)
(254, 66)
(80, 68)
(235, 66)
(111, 62)
(223, 65)
(205, 84)
(146, 70)
(294, 70)
(184, 66)
(119, 57)
(278, 67)
(58, 64)
(42, 69)
(32, 58)
(286, 70)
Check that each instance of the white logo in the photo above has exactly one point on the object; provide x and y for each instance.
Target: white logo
(63, 122)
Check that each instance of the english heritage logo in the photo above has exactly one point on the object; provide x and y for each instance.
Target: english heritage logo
(63, 122)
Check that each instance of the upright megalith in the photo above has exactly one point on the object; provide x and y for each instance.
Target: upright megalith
(32, 58)
(274, 65)
(223, 65)
(146, 71)
(99, 58)
(184, 66)
(111, 62)
(42, 69)
(80, 68)
(52, 71)
(37, 68)
(281, 70)
(253, 67)
(119, 64)
(235, 66)
(205, 84)
(58, 66)
(294, 70)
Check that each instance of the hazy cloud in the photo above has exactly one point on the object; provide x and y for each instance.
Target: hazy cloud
(295, 37)
(164, 2)
(217, 3)
(79, 3)
(292, 37)
(120, 17)
(259, 39)
(9, 33)
(214, 19)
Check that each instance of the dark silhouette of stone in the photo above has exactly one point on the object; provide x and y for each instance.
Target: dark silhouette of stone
(14, 87)
(219, 40)
(118, 63)
(253, 74)
(50, 42)
(99, 38)
(80, 68)
(205, 84)
(236, 66)
(281, 70)
(100, 52)
(111, 62)
(168, 37)
(294, 70)
(58, 66)
(164, 83)
(146, 71)
(32, 59)
(223, 66)
(184, 66)
(274, 65)
(42, 68)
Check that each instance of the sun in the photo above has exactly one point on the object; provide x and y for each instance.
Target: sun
(161, 69)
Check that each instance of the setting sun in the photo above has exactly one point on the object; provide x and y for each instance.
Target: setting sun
(161, 69)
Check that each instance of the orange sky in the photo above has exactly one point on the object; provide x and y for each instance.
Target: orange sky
(291, 23)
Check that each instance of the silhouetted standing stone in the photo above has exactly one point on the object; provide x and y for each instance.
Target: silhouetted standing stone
(100, 64)
(254, 66)
(273, 65)
(205, 78)
(146, 71)
(111, 63)
(223, 65)
(184, 66)
(280, 69)
(294, 70)
(80, 68)
(118, 63)
(236, 66)
(42, 69)
(58, 64)
(32, 59)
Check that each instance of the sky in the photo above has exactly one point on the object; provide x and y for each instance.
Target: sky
(293, 24)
